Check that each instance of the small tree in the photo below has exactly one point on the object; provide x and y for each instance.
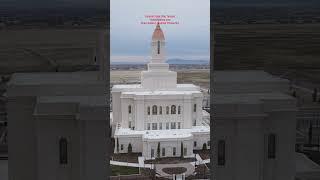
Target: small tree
(204, 147)
(181, 154)
(129, 148)
(117, 145)
(158, 150)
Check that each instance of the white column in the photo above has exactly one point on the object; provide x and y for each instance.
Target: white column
(124, 113)
(139, 111)
(187, 112)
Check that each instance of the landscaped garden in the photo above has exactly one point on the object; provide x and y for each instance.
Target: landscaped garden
(126, 157)
(174, 170)
(123, 170)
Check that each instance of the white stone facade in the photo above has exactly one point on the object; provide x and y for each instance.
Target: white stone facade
(158, 111)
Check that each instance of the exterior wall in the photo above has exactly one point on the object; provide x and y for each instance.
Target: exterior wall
(50, 130)
(95, 146)
(22, 146)
(139, 111)
(87, 142)
(244, 127)
(282, 124)
(154, 51)
(136, 143)
(116, 107)
(164, 118)
(201, 139)
(168, 145)
(158, 79)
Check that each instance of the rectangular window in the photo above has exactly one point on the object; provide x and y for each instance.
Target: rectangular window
(154, 126)
(152, 153)
(160, 126)
(129, 109)
(174, 151)
(195, 108)
(163, 151)
(167, 125)
(148, 126)
(194, 143)
(158, 47)
(184, 151)
(160, 110)
(271, 146)
(129, 124)
(121, 147)
(173, 125)
(194, 122)
(221, 153)
(179, 125)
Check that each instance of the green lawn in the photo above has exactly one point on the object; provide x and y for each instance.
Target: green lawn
(123, 170)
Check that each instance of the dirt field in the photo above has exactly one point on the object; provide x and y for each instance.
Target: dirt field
(197, 76)
(236, 47)
(267, 46)
(39, 50)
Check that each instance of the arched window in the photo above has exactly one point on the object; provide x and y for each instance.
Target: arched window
(63, 151)
(148, 109)
(158, 47)
(167, 110)
(129, 109)
(173, 109)
(179, 109)
(154, 110)
(160, 110)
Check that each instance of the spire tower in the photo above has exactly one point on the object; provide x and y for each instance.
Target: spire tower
(158, 75)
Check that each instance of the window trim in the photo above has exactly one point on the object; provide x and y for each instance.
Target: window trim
(154, 110)
(167, 109)
(173, 109)
(148, 110)
(163, 152)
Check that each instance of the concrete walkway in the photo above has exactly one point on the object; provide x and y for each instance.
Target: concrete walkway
(141, 163)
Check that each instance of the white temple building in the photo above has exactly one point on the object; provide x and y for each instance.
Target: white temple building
(159, 113)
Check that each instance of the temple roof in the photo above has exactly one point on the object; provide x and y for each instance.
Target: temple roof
(158, 33)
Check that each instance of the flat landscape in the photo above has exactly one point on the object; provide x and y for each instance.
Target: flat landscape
(276, 48)
(199, 77)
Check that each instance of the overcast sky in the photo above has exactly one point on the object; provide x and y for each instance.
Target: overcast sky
(130, 40)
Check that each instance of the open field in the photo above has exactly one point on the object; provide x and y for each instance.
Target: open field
(276, 46)
(294, 46)
(199, 77)
(40, 50)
